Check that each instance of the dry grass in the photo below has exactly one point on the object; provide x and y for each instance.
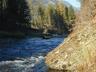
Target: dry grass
(78, 53)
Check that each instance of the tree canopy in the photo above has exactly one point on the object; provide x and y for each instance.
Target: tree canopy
(22, 14)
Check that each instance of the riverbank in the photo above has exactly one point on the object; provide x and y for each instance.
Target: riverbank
(78, 52)
(16, 34)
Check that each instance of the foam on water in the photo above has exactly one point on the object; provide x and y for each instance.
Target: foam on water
(32, 64)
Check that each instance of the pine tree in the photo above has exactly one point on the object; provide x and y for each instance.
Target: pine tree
(15, 14)
(71, 13)
(24, 13)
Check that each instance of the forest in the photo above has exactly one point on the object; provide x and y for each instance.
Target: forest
(35, 17)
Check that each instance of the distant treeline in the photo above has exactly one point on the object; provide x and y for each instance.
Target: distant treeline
(21, 15)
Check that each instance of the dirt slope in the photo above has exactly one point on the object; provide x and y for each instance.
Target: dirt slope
(78, 52)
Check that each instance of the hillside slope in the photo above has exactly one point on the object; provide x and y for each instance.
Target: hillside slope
(78, 52)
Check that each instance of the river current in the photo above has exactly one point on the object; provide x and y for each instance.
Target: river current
(26, 55)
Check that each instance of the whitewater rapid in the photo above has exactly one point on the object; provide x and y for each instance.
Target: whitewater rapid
(32, 64)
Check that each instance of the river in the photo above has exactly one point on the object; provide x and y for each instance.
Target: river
(26, 55)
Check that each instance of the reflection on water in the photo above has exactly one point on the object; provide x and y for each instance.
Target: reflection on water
(25, 55)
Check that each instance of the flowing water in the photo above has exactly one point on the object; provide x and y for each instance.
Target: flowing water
(25, 55)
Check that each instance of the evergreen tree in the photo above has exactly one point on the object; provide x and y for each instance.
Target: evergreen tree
(15, 13)
(66, 14)
(24, 13)
(0, 11)
(71, 13)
